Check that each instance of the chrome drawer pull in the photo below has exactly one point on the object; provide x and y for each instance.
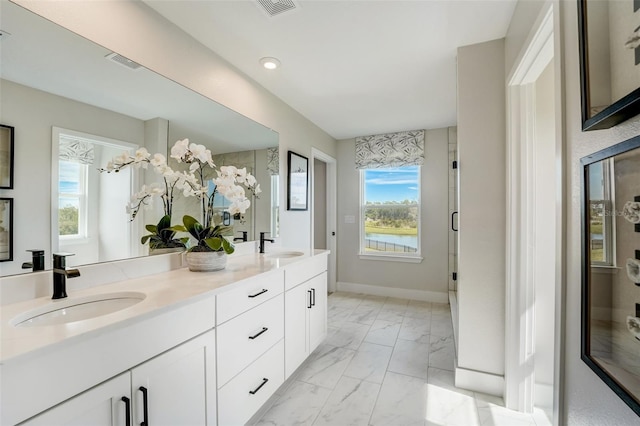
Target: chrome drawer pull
(259, 333)
(264, 290)
(264, 381)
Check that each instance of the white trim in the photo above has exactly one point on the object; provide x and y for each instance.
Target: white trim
(520, 292)
(392, 258)
(543, 395)
(331, 214)
(401, 293)
(479, 381)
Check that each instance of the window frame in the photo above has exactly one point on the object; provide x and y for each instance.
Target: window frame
(408, 257)
(609, 217)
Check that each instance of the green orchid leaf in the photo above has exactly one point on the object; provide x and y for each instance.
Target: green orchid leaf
(165, 222)
(227, 245)
(214, 243)
(144, 239)
(151, 228)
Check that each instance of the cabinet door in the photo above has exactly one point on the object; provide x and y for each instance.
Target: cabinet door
(99, 406)
(296, 305)
(178, 385)
(318, 311)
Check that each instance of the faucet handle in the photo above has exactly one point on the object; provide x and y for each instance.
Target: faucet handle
(59, 259)
(37, 260)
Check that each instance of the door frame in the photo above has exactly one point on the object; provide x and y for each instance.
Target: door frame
(331, 213)
(542, 45)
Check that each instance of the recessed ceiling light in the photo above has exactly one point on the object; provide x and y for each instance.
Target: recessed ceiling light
(270, 63)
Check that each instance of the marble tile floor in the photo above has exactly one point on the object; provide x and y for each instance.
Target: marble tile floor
(385, 362)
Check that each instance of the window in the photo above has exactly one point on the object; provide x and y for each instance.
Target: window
(72, 191)
(601, 216)
(390, 212)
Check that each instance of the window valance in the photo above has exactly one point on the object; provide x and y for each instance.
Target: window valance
(390, 150)
(76, 150)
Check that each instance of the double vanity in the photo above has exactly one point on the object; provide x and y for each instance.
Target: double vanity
(175, 347)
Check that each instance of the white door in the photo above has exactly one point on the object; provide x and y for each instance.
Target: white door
(296, 304)
(102, 405)
(318, 311)
(171, 389)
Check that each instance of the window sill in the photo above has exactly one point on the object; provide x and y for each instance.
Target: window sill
(392, 258)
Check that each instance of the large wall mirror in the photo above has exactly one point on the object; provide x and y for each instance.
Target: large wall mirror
(611, 268)
(79, 105)
(609, 61)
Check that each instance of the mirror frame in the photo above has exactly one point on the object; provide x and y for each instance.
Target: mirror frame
(622, 109)
(607, 376)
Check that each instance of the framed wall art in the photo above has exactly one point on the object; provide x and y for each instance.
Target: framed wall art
(298, 182)
(611, 268)
(6, 229)
(6, 156)
(609, 42)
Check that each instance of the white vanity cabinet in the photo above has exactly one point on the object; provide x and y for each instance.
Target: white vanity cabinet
(250, 333)
(305, 311)
(178, 384)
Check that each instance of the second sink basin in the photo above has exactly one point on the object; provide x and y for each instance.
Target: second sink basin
(77, 309)
(283, 254)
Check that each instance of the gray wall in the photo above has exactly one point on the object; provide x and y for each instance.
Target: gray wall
(319, 204)
(431, 274)
(481, 256)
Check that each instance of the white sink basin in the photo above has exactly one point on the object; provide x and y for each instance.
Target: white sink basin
(77, 309)
(283, 254)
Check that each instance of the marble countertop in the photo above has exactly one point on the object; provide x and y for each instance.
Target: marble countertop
(164, 291)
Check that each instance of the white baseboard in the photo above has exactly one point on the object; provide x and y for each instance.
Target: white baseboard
(401, 293)
(479, 381)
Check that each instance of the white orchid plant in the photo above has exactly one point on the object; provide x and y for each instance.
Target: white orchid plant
(231, 182)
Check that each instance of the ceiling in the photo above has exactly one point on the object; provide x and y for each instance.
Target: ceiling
(353, 67)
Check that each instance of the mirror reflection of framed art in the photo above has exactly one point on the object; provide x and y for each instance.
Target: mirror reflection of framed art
(611, 268)
(298, 182)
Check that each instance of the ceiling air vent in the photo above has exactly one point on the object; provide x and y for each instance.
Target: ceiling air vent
(119, 59)
(277, 7)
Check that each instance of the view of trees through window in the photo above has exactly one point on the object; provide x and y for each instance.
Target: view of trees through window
(391, 210)
(70, 190)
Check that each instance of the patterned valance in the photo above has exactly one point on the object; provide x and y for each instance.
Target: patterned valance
(273, 161)
(390, 150)
(76, 150)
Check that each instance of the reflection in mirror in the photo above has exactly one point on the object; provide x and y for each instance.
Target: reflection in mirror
(610, 57)
(84, 90)
(611, 280)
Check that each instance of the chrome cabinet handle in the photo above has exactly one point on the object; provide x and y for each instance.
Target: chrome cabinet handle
(127, 410)
(264, 381)
(259, 333)
(264, 290)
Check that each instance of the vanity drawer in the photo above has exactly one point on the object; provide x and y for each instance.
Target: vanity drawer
(249, 295)
(302, 271)
(244, 338)
(241, 398)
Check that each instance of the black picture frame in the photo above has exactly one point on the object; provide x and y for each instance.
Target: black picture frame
(6, 156)
(619, 110)
(607, 354)
(297, 182)
(6, 229)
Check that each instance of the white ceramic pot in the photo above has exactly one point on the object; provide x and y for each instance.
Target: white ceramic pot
(206, 261)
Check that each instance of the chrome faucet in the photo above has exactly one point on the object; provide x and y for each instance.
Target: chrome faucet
(37, 261)
(263, 239)
(60, 275)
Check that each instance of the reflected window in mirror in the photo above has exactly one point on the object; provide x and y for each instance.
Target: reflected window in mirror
(275, 205)
(601, 214)
(92, 220)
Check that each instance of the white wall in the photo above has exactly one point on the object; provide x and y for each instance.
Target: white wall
(481, 154)
(33, 113)
(430, 276)
(142, 35)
